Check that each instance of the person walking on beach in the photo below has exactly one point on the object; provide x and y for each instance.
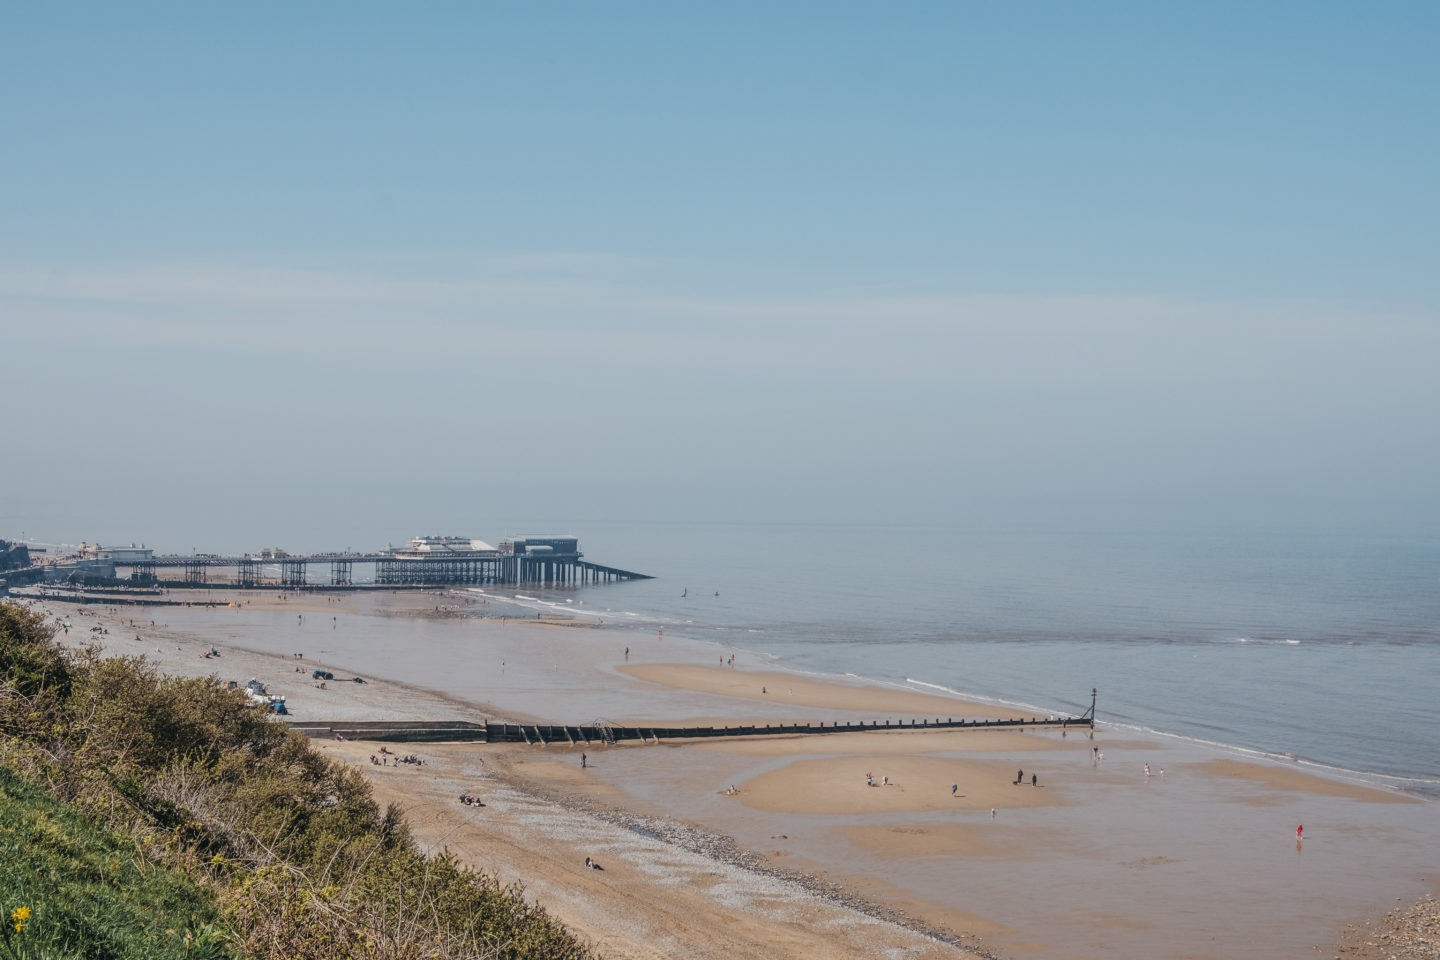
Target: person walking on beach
(1034, 780)
(1020, 776)
(627, 654)
(582, 761)
(1300, 832)
(953, 788)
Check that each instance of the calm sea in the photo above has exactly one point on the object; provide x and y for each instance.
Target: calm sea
(1325, 649)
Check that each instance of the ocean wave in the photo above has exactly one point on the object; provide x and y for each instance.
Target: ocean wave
(992, 701)
(1364, 778)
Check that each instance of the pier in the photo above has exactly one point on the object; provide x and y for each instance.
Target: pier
(551, 561)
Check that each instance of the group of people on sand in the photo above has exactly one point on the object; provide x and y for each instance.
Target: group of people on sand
(471, 801)
(870, 781)
(1020, 778)
(384, 761)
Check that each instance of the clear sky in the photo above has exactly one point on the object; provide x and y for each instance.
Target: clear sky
(300, 274)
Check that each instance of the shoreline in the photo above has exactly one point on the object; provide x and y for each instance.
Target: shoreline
(468, 604)
(803, 809)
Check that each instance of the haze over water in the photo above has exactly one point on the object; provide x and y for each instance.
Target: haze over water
(1324, 648)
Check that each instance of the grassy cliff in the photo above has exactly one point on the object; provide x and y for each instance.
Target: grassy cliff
(154, 816)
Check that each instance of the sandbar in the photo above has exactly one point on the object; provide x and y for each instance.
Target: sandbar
(773, 686)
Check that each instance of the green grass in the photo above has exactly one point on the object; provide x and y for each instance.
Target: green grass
(145, 816)
(92, 894)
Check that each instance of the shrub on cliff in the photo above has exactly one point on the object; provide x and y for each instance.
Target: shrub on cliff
(303, 861)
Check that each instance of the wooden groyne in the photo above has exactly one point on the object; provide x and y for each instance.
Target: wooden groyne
(610, 733)
(435, 731)
(392, 731)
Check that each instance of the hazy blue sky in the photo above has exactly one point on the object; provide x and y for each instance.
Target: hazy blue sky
(322, 275)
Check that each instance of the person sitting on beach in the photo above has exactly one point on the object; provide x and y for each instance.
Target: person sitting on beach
(592, 864)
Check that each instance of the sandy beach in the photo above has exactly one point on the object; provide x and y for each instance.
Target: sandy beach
(948, 855)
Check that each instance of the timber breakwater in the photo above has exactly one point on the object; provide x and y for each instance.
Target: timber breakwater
(603, 732)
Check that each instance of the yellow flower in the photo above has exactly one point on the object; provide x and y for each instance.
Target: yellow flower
(19, 927)
(20, 913)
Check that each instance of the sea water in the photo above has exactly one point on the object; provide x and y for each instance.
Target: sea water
(1325, 649)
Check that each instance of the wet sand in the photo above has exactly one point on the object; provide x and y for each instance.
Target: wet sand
(1198, 859)
(775, 687)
